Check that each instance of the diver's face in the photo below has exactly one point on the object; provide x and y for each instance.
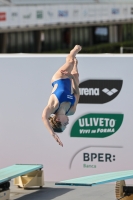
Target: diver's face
(64, 122)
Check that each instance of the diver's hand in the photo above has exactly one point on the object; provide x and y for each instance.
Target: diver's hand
(57, 139)
(67, 74)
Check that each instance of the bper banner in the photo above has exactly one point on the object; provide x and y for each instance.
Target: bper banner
(98, 138)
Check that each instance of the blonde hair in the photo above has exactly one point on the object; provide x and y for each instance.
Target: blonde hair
(56, 125)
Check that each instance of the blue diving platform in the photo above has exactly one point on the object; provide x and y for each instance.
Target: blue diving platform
(98, 179)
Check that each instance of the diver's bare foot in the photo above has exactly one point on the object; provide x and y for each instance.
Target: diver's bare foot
(78, 47)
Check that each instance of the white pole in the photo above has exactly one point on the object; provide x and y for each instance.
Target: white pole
(121, 49)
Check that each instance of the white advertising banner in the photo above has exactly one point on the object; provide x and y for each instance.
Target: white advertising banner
(76, 15)
(26, 15)
(98, 12)
(14, 16)
(105, 12)
(91, 13)
(68, 1)
(4, 16)
(63, 14)
(54, 14)
(115, 12)
(99, 136)
(51, 14)
(130, 11)
(34, 19)
(125, 11)
(84, 13)
(39, 15)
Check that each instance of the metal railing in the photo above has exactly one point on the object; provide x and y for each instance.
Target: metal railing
(126, 48)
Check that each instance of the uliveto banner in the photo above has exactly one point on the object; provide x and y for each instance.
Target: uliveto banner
(96, 125)
(99, 136)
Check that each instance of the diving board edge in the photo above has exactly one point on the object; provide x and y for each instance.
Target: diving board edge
(23, 172)
(73, 184)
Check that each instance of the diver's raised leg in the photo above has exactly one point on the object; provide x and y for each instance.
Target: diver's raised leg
(75, 73)
(68, 66)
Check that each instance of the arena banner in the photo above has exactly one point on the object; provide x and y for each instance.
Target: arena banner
(98, 138)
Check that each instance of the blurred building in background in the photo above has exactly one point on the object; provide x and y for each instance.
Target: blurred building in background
(30, 26)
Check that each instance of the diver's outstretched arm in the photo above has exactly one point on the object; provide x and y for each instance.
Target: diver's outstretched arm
(45, 115)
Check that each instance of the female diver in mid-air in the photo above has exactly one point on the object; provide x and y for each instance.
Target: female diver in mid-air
(64, 97)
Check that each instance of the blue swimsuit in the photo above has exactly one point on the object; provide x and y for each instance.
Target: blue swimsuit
(63, 92)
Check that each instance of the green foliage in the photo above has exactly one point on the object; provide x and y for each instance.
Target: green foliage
(101, 48)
